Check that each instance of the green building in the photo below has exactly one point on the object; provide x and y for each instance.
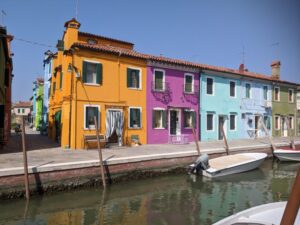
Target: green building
(284, 111)
(39, 104)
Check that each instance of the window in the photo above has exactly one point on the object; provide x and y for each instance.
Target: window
(91, 41)
(133, 78)
(232, 89)
(265, 92)
(232, 122)
(159, 118)
(19, 110)
(209, 122)
(277, 94)
(277, 123)
(291, 95)
(159, 78)
(92, 72)
(134, 117)
(61, 80)
(209, 86)
(248, 90)
(188, 83)
(291, 122)
(189, 119)
(23, 111)
(89, 113)
(267, 122)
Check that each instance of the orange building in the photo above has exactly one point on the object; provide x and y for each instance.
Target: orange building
(97, 76)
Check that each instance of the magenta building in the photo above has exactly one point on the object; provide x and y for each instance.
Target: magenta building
(172, 101)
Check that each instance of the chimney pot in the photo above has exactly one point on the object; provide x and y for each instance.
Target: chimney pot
(275, 65)
(242, 68)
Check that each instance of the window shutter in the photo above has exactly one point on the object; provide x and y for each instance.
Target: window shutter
(87, 117)
(84, 69)
(138, 116)
(164, 118)
(129, 81)
(99, 74)
(61, 79)
(137, 74)
(153, 119)
(96, 114)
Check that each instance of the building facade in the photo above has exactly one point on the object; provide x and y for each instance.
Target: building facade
(298, 111)
(256, 104)
(172, 103)
(283, 105)
(220, 99)
(6, 67)
(37, 103)
(99, 77)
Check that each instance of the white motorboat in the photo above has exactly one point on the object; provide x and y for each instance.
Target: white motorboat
(226, 165)
(267, 214)
(287, 154)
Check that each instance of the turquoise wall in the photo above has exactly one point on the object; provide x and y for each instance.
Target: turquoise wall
(220, 103)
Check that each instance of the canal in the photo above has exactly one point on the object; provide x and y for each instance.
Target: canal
(173, 200)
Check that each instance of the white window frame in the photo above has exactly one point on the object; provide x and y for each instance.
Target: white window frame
(234, 89)
(276, 87)
(84, 118)
(193, 89)
(290, 89)
(213, 122)
(292, 123)
(213, 86)
(95, 62)
(263, 93)
(279, 122)
(164, 77)
(159, 109)
(250, 91)
(235, 124)
(135, 128)
(140, 77)
(188, 110)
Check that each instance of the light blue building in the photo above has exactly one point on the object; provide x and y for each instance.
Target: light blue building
(48, 62)
(33, 100)
(220, 101)
(256, 102)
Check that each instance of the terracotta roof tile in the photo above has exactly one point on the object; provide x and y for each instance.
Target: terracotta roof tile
(22, 104)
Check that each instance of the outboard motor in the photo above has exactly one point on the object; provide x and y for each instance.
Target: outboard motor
(200, 164)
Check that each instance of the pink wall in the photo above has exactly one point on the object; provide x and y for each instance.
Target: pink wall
(173, 97)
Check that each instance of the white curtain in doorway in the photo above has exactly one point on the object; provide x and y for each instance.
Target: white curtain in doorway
(114, 122)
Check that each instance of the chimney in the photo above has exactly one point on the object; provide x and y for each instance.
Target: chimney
(275, 65)
(70, 35)
(242, 68)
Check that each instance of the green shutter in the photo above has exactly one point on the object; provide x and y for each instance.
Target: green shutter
(96, 114)
(164, 118)
(99, 74)
(194, 119)
(129, 81)
(131, 117)
(84, 69)
(138, 116)
(87, 117)
(137, 74)
(61, 79)
(153, 119)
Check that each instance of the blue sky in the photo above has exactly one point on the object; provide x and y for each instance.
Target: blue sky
(211, 32)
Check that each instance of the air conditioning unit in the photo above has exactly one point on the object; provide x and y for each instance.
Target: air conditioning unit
(268, 104)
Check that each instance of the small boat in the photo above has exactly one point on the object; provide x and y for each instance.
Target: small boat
(287, 154)
(266, 214)
(226, 165)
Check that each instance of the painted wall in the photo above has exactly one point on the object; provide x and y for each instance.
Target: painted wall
(283, 107)
(220, 103)
(172, 97)
(34, 95)
(39, 106)
(251, 107)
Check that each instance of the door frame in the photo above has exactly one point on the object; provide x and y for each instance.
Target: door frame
(283, 126)
(224, 125)
(179, 121)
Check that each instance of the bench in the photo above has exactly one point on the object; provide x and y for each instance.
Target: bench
(92, 138)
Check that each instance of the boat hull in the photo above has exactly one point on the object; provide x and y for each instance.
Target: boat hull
(270, 213)
(287, 155)
(257, 160)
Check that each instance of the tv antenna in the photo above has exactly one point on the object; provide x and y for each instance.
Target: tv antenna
(243, 55)
(76, 9)
(3, 13)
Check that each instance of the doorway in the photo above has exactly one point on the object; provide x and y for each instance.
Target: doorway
(256, 127)
(284, 127)
(222, 125)
(175, 122)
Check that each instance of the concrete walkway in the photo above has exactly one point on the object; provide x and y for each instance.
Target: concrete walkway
(45, 155)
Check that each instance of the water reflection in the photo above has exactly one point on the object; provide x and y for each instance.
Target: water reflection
(172, 200)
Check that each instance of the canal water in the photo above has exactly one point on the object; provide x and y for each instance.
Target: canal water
(167, 200)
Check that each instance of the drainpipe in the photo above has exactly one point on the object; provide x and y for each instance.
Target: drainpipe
(71, 98)
(120, 53)
(199, 108)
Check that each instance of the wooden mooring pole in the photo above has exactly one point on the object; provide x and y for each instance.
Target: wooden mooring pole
(225, 140)
(196, 140)
(25, 160)
(100, 152)
(267, 133)
(293, 203)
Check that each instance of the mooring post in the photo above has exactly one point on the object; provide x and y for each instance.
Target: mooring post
(100, 152)
(293, 203)
(292, 142)
(225, 140)
(196, 140)
(25, 160)
(268, 134)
